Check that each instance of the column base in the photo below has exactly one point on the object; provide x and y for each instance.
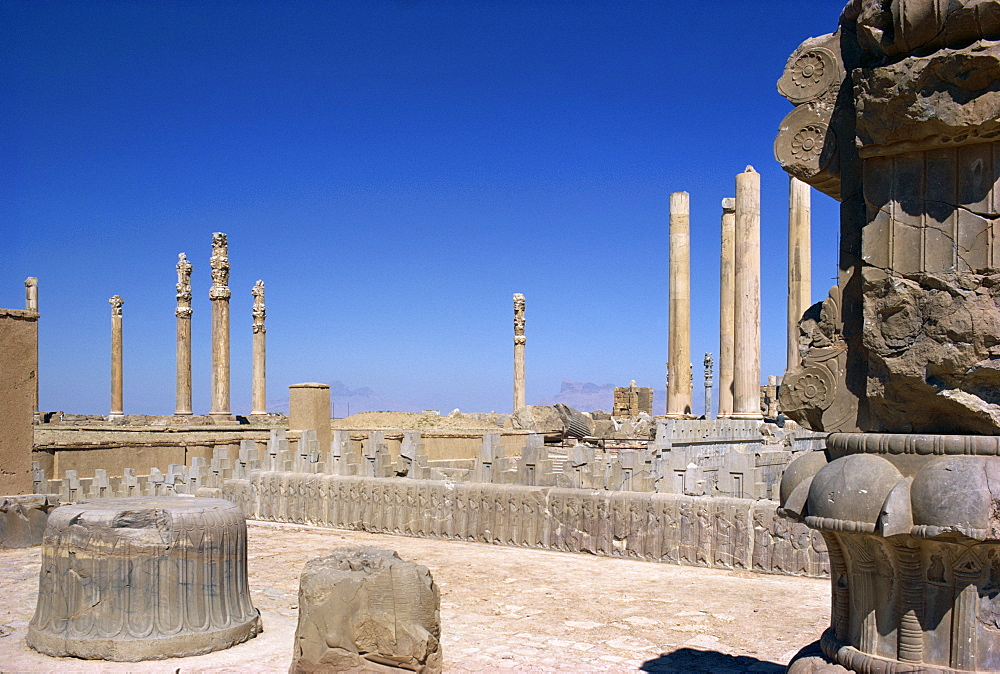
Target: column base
(222, 418)
(746, 416)
(183, 413)
(812, 660)
(260, 412)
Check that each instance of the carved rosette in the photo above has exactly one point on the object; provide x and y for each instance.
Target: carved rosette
(814, 392)
(116, 305)
(143, 578)
(259, 312)
(806, 146)
(519, 337)
(184, 269)
(220, 268)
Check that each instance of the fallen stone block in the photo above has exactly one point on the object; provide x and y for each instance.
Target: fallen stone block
(364, 609)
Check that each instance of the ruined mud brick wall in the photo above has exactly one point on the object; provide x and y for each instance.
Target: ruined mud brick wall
(711, 532)
(18, 382)
(630, 401)
(114, 448)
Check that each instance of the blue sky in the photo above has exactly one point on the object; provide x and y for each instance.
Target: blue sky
(393, 171)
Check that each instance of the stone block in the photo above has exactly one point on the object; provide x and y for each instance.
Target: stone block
(23, 519)
(364, 609)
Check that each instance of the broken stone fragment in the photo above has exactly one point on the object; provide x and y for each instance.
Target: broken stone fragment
(363, 609)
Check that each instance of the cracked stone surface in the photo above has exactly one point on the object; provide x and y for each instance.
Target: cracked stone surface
(362, 608)
(502, 609)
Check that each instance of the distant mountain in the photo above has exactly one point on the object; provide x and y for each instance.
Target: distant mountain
(345, 401)
(583, 396)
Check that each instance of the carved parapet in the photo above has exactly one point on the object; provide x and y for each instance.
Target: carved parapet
(911, 525)
(143, 578)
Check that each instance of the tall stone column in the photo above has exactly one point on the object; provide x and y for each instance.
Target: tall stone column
(799, 263)
(31, 304)
(259, 393)
(183, 314)
(708, 363)
(219, 295)
(519, 341)
(727, 308)
(746, 375)
(679, 345)
(116, 357)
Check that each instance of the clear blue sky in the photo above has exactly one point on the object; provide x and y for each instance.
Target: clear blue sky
(393, 171)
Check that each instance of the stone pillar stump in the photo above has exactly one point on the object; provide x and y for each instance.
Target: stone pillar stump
(143, 579)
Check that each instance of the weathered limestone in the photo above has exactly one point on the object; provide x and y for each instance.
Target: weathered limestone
(799, 261)
(364, 609)
(679, 347)
(727, 308)
(219, 294)
(519, 341)
(746, 348)
(116, 357)
(708, 363)
(31, 305)
(23, 518)
(309, 410)
(898, 117)
(183, 313)
(259, 387)
(726, 533)
(143, 578)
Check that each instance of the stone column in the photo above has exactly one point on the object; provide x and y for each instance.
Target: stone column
(519, 341)
(31, 304)
(219, 294)
(259, 393)
(708, 363)
(799, 263)
(183, 314)
(679, 345)
(116, 357)
(746, 374)
(727, 308)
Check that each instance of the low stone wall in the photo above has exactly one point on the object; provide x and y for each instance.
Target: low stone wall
(725, 533)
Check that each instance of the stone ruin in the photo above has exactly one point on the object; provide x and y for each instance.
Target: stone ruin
(142, 579)
(364, 609)
(632, 400)
(898, 117)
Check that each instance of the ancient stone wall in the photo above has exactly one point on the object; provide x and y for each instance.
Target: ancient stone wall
(18, 382)
(711, 532)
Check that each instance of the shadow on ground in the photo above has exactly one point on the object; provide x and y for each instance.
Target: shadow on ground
(692, 660)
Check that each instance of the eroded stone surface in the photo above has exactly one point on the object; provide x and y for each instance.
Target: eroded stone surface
(365, 609)
(143, 578)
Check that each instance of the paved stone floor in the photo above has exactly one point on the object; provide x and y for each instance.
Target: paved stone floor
(501, 609)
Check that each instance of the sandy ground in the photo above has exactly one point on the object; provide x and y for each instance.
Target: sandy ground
(501, 609)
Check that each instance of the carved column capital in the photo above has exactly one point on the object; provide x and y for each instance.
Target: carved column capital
(259, 312)
(116, 305)
(220, 268)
